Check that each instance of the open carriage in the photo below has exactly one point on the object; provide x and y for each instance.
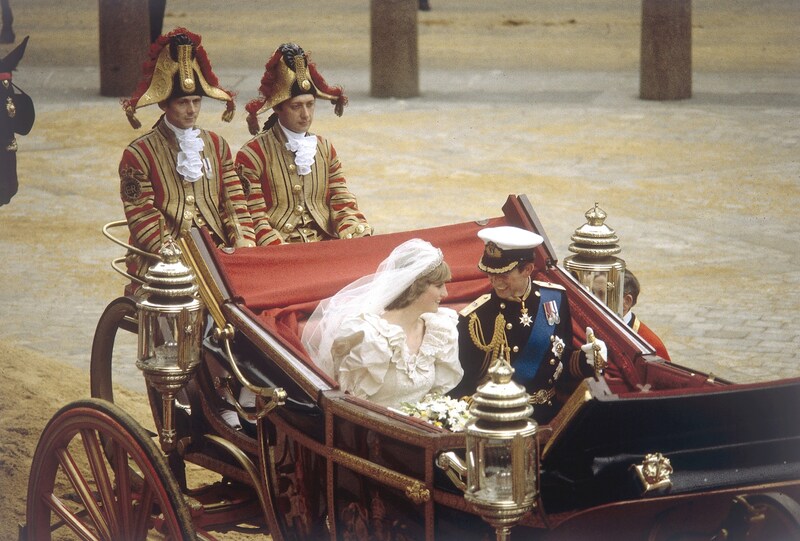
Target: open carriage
(322, 464)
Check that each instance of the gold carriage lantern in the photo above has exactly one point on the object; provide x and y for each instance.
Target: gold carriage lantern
(594, 264)
(170, 331)
(502, 477)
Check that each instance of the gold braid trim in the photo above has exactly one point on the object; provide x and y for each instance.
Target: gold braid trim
(496, 347)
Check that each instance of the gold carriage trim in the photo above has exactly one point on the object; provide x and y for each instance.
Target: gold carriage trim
(413, 489)
(417, 493)
(654, 472)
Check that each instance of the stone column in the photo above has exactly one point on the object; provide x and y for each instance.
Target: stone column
(124, 42)
(393, 38)
(665, 71)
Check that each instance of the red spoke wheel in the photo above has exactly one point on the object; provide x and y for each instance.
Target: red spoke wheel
(76, 492)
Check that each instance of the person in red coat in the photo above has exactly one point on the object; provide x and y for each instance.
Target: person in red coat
(177, 176)
(630, 296)
(298, 190)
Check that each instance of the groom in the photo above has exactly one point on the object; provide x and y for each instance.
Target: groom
(526, 321)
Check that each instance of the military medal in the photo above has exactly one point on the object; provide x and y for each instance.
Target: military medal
(525, 319)
(551, 312)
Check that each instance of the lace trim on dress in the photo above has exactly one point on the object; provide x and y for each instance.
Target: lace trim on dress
(434, 342)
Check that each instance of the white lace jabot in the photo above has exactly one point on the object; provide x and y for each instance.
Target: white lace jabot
(190, 164)
(304, 148)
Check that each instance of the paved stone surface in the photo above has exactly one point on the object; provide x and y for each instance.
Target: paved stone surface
(702, 192)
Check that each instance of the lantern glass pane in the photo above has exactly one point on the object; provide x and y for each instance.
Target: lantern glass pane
(194, 336)
(489, 470)
(166, 339)
(598, 285)
(498, 481)
(529, 455)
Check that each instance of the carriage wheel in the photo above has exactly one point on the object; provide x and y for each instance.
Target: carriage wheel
(110, 350)
(75, 491)
(771, 516)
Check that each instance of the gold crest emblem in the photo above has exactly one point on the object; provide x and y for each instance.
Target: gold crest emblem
(493, 250)
(131, 184)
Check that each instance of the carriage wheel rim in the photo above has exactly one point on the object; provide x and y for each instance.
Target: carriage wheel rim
(112, 504)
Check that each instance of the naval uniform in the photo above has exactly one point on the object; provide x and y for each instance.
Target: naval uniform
(538, 338)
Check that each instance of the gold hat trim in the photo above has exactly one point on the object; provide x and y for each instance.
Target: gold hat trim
(160, 88)
(495, 270)
(284, 80)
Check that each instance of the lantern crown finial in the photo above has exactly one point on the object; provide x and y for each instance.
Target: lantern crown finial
(169, 278)
(501, 399)
(595, 239)
(595, 216)
(170, 252)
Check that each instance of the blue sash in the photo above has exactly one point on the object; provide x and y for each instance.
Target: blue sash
(532, 355)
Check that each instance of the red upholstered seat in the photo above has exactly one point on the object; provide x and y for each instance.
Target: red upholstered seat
(283, 284)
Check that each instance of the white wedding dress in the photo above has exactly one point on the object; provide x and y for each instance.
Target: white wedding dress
(371, 359)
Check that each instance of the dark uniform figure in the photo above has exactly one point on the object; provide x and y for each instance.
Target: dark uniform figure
(525, 321)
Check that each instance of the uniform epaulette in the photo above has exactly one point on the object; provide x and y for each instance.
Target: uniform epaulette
(551, 285)
(474, 305)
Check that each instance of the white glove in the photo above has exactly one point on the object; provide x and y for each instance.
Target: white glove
(595, 350)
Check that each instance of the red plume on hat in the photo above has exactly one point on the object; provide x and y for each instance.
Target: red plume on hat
(177, 66)
(288, 73)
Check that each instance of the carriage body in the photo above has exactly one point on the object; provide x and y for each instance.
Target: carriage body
(327, 465)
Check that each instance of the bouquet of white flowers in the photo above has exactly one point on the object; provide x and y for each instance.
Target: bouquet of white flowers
(441, 411)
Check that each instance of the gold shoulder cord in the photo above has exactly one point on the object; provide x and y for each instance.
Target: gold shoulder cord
(496, 347)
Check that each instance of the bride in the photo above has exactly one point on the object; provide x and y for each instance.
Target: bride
(384, 337)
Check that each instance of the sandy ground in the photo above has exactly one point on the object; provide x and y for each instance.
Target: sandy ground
(517, 97)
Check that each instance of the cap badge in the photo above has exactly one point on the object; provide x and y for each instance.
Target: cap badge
(493, 250)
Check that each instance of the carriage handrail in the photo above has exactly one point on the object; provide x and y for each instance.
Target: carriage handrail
(115, 240)
(276, 395)
(118, 263)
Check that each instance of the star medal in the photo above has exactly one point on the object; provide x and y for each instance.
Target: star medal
(525, 319)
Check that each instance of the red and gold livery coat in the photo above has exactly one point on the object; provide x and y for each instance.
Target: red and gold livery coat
(280, 196)
(151, 188)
